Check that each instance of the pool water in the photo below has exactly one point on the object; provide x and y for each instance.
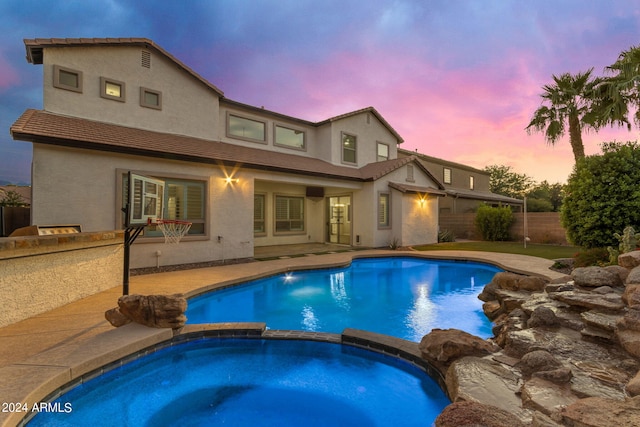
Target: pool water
(251, 382)
(403, 297)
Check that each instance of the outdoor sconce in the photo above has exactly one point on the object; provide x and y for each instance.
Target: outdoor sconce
(230, 180)
(422, 200)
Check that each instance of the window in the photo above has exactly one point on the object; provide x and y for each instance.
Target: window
(291, 138)
(182, 199)
(65, 78)
(112, 89)
(240, 127)
(349, 144)
(447, 176)
(150, 98)
(410, 173)
(258, 214)
(289, 214)
(383, 210)
(383, 152)
(471, 183)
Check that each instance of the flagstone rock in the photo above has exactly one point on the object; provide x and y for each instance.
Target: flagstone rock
(469, 379)
(593, 277)
(590, 301)
(600, 412)
(545, 396)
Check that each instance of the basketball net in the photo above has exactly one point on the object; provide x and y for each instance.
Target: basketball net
(173, 230)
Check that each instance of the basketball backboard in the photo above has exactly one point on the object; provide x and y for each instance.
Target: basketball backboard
(145, 200)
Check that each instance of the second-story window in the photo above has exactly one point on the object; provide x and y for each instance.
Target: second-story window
(112, 89)
(243, 128)
(383, 152)
(150, 98)
(66, 78)
(447, 176)
(291, 138)
(349, 144)
(471, 183)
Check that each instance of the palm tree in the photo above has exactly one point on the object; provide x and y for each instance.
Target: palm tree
(566, 102)
(615, 94)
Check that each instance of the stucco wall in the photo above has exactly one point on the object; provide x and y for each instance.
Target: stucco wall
(40, 273)
(188, 106)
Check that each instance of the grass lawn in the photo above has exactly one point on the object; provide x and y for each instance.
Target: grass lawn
(542, 251)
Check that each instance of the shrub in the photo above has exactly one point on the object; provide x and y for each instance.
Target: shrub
(603, 196)
(494, 223)
(446, 236)
(592, 256)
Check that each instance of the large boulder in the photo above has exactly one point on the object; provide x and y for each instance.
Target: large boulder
(631, 295)
(460, 414)
(156, 311)
(629, 259)
(446, 345)
(634, 276)
(536, 361)
(593, 277)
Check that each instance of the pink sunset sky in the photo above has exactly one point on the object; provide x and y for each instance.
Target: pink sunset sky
(458, 80)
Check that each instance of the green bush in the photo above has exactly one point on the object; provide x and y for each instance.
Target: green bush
(494, 223)
(603, 196)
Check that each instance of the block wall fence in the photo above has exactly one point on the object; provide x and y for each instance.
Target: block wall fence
(35, 271)
(544, 227)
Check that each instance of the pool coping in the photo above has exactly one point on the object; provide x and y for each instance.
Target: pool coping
(35, 377)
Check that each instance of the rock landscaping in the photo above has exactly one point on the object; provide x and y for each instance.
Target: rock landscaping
(564, 353)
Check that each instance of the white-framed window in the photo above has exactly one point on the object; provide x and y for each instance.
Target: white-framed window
(384, 210)
(446, 176)
(382, 151)
(259, 227)
(248, 129)
(472, 183)
(112, 89)
(289, 214)
(290, 138)
(150, 98)
(68, 79)
(349, 148)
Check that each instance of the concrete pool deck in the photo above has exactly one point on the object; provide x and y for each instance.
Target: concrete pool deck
(41, 354)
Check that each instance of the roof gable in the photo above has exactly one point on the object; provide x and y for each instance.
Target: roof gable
(35, 48)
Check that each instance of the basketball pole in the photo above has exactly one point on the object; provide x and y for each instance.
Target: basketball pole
(130, 235)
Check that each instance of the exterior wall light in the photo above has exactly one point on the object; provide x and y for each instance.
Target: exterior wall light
(230, 180)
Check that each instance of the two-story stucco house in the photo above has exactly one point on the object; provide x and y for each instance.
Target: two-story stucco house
(466, 187)
(244, 176)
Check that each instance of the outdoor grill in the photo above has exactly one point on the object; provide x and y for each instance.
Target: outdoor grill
(46, 230)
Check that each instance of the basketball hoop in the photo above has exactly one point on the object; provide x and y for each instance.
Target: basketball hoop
(172, 229)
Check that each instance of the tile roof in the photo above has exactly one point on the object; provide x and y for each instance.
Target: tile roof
(48, 128)
(405, 188)
(35, 47)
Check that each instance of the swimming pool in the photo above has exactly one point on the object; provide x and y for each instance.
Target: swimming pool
(404, 297)
(243, 382)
